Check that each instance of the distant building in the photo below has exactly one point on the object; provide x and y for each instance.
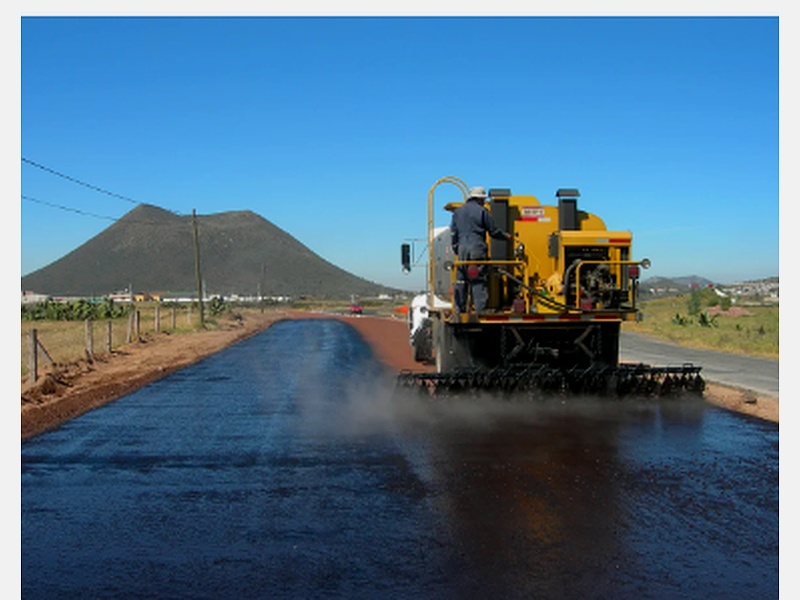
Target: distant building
(29, 297)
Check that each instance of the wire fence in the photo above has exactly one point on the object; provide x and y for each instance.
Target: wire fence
(44, 343)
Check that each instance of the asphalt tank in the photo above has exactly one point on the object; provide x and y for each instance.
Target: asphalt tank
(558, 292)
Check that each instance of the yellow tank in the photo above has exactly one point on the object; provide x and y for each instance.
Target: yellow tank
(561, 260)
(558, 290)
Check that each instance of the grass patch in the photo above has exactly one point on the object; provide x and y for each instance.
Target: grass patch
(683, 320)
(65, 341)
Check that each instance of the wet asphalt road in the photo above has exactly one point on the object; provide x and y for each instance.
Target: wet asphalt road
(282, 467)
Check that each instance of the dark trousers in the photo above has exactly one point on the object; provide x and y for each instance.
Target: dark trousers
(471, 279)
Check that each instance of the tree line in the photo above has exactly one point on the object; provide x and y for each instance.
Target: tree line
(82, 309)
(75, 310)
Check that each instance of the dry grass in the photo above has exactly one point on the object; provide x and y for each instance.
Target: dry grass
(66, 341)
(754, 334)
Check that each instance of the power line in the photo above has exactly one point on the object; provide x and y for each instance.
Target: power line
(83, 183)
(88, 214)
(75, 210)
(78, 181)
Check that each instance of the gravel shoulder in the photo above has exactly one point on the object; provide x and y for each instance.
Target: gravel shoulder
(71, 390)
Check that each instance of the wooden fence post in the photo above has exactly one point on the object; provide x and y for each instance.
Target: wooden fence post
(158, 318)
(89, 340)
(137, 323)
(174, 317)
(129, 335)
(108, 336)
(33, 358)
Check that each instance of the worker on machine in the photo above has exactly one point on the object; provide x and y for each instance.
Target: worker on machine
(471, 222)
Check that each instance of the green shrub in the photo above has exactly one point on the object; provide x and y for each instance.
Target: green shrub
(77, 310)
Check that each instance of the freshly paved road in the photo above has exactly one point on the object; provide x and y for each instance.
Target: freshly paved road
(286, 467)
(757, 374)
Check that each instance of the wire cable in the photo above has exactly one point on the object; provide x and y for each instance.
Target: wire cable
(78, 181)
(83, 183)
(89, 214)
(75, 210)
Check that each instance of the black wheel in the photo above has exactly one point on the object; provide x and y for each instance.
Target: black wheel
(422, 343)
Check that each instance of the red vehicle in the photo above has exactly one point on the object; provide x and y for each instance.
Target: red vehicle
(355, 305)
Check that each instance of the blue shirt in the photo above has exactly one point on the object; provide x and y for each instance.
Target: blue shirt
(471, 222)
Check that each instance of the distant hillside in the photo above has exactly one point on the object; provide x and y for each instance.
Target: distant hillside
(152, 250)
(657, 287)
(674, 284)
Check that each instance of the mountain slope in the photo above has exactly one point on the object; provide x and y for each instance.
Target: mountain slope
(152, 250)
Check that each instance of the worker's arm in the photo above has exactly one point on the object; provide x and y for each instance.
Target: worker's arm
(492, 229)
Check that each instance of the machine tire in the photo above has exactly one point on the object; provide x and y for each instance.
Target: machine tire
(422, 342)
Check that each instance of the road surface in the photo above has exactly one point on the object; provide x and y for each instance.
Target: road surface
(284, 467)
(748, 372)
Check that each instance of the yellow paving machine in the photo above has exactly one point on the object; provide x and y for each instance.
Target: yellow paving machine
(558, 292)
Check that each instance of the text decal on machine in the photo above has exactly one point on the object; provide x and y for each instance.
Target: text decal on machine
(534, 213)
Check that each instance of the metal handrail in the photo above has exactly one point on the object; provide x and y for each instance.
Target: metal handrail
(488, 262)
(431, 267)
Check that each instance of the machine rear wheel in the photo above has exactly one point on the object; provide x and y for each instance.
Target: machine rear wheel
(422, 342)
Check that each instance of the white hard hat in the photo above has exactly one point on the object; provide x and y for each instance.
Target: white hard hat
(477, 192)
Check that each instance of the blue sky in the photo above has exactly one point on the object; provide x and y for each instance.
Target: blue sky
(335, 128)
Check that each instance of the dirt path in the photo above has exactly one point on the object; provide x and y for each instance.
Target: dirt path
(74, 389)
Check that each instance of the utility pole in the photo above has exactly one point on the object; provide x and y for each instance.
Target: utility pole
(197, 269)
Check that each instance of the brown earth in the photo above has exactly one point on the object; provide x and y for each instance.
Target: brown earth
(68, 391)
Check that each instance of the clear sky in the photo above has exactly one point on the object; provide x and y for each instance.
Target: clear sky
(335, 128)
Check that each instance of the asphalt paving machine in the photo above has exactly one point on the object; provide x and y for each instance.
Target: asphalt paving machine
(559, 291)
